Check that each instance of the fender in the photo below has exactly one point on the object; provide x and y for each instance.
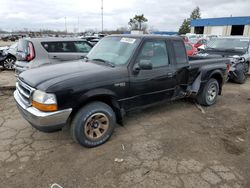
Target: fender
(195, 87)
(94, 93)
(104, 95)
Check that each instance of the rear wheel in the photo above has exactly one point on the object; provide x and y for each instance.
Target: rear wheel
(93, 125)
(209, 93)
(8, 63)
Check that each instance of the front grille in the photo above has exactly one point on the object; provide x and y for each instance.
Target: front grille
(24, 91)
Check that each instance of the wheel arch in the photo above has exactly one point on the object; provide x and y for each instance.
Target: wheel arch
(10, 55)
(102, 95)
(219, 77)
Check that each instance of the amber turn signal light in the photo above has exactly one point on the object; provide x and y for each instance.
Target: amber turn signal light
(44, 107)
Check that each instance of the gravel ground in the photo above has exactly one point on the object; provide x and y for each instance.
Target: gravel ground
(170, 145)
(6, 43)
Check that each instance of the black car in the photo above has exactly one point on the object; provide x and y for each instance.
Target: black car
(235, 48)
(121, 73)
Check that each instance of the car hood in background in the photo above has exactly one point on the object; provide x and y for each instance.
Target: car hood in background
(219, 54)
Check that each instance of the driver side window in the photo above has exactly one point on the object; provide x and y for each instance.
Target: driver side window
(154, 52)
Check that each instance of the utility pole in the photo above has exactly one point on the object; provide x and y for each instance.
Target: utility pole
(102, 13)
(78, 25)
(65, 24)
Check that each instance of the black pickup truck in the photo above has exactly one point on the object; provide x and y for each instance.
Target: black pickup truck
(121, 73)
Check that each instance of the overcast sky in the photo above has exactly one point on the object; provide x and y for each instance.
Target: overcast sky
(164, 15)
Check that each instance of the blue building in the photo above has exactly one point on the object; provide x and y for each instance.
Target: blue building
(225, 26)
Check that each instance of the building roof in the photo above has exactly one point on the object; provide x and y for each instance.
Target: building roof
(244, 20)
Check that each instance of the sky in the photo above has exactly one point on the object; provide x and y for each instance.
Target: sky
(82, 15)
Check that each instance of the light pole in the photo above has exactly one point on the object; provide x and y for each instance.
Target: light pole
(65, 24)
(102, 13)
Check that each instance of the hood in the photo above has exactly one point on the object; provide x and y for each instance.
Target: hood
(220, 53)
(44, 77)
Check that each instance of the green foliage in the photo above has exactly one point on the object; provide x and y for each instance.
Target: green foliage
(195, 14)
(185, 27)
(137, 21)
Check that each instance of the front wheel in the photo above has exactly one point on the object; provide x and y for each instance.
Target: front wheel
(93, 125)
(209, 93)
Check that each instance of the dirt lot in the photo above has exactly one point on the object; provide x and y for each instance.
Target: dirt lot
(6, 43)
(171, 145)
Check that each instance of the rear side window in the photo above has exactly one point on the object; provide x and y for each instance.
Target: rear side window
(180, 52)
(82, 47)
(59, 47)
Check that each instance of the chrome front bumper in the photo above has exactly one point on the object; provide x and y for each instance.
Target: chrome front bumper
(39, 118)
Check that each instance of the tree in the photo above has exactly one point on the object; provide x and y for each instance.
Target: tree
(185, 27)
(195, 14)
(137, 22)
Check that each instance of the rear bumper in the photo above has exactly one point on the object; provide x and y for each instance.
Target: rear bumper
(37, 118)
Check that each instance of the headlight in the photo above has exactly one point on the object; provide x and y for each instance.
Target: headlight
(44, 101)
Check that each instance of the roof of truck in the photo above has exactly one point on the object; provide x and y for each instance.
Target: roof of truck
(146, 36)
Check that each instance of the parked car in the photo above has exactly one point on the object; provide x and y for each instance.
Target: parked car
(36, 52)
(92, 39)
(200, 42)
(237, 49)
(191, 50)
(121, 73)
(8, 57)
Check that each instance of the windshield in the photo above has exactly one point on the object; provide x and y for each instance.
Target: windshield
(116, 50)
(228, 44)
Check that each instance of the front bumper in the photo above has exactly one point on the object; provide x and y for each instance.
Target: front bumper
(41, 119)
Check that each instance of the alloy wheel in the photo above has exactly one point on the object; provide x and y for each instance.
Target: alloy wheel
(96, 126)
(9, 63)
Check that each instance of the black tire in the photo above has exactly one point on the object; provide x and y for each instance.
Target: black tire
(241, 78)
(8, 63)
(240, 74)
(206, 98)
(247, 67)
(88, 121)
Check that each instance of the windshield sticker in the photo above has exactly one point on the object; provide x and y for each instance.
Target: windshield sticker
(128, 40)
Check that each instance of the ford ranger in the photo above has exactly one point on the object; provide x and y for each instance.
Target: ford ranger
(121, 73)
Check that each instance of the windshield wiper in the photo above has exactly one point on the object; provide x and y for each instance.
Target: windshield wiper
(104, 61)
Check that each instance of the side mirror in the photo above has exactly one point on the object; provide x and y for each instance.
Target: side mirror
(145, 65)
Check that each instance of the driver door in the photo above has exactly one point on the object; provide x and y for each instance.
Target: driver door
(157, 84)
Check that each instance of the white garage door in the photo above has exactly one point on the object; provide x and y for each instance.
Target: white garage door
(217, 30)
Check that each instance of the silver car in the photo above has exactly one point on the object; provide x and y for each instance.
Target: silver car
(36, 52)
